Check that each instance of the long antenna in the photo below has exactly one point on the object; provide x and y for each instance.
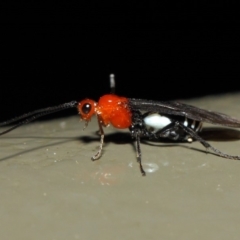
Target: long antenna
(36, 114)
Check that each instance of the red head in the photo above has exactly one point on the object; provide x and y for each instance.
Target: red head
(111, 109)
(86, 109)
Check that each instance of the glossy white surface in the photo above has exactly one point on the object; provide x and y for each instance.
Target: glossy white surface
(156, 122)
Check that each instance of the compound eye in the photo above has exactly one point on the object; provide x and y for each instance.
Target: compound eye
(86, 108)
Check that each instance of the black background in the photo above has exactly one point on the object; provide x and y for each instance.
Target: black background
(61, 51)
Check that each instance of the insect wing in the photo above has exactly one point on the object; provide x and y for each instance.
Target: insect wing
(181, 109)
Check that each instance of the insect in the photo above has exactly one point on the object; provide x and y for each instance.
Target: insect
(144, 118)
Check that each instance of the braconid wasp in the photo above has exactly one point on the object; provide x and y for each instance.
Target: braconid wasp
(144, 118)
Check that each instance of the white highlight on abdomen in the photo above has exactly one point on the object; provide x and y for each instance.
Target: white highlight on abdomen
(156, 121)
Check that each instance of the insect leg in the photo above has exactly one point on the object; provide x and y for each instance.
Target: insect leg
(193, 134)
(99, 153)
(170, 131)
(138, 150)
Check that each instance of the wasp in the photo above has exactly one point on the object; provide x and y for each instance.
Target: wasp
(144, 118)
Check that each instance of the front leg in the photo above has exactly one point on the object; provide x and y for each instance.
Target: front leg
(99, 152)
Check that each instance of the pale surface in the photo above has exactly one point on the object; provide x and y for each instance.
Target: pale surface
(50, 189)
